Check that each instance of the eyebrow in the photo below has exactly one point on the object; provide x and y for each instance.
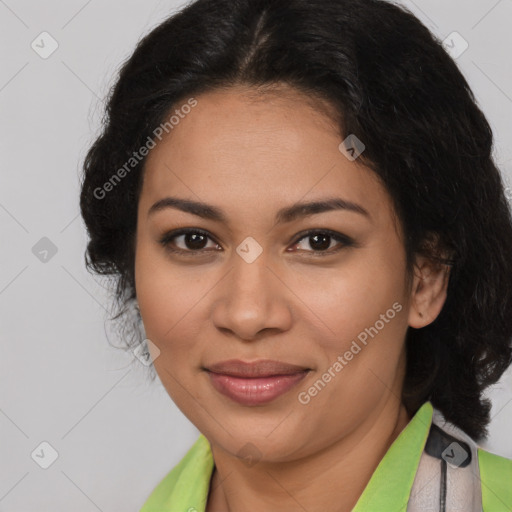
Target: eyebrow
(287, 214)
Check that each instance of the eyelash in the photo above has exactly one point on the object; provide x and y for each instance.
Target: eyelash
(346, 241)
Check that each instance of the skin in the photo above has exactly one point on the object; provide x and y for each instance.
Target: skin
(250, 157)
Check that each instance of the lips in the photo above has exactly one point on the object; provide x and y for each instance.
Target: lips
(254, 383)
(262, 368)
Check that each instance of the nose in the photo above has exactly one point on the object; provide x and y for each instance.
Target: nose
(252, 300)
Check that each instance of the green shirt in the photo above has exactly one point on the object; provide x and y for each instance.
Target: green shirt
(185, 488)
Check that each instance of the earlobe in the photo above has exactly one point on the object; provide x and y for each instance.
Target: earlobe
(428, 292)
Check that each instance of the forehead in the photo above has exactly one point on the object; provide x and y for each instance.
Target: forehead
(267, 150)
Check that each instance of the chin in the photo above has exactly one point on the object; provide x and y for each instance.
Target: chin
(265, 440)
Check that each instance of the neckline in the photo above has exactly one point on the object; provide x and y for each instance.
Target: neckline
(192, 476)
(390, 485)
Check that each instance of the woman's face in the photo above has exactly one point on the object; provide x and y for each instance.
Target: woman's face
(258, 287)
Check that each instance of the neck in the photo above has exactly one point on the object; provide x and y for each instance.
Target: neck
(332, 479)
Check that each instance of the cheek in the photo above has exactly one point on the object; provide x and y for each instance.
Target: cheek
(167, 297)
(363, 322)
(352, 298)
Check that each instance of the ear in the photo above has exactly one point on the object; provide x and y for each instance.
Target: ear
(428, 291)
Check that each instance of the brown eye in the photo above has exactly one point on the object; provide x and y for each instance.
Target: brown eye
(195, 242)
(321, 241)
(186, 240)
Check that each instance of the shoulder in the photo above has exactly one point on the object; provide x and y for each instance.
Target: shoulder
(494, 463)
(192, 474)
(496, 478)
(489, 459)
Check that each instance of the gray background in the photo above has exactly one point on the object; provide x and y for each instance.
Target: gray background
(61, 382)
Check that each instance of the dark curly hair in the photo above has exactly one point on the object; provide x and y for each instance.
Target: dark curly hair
(391, 83)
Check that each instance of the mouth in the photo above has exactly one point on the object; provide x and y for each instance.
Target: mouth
(254, 383)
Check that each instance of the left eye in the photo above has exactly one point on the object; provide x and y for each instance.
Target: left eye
(320, 241)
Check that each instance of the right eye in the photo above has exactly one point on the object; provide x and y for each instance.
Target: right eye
(193, 241)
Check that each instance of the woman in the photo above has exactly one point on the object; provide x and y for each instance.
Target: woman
(299, 198)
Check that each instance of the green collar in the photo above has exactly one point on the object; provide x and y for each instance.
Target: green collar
(186, 486)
